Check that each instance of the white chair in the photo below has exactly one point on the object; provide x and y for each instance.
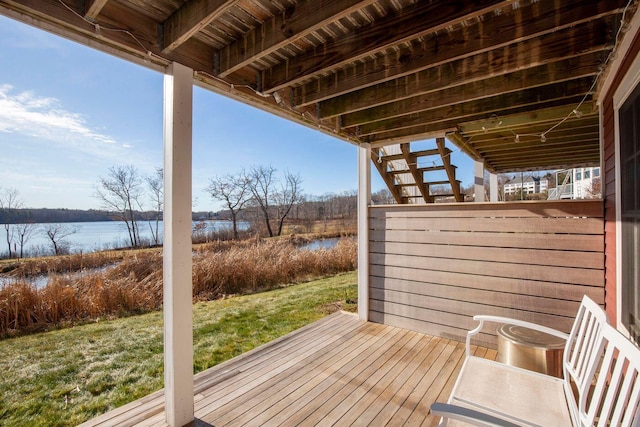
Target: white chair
(595, 390)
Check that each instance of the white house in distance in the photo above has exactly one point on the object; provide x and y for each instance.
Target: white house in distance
(574, 183)
(529, 185)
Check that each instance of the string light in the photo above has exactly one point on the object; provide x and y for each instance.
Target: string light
(624, 26)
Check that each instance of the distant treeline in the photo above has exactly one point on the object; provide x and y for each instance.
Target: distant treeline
(46, 215)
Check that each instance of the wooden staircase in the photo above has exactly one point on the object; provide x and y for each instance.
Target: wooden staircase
(409, 182)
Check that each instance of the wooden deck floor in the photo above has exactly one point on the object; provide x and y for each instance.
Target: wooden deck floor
(337, 371)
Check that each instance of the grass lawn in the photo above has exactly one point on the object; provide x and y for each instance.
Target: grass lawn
(64, 377)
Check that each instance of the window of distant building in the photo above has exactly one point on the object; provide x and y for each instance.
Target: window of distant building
(587, 174)
(578, 174)
(596, 172)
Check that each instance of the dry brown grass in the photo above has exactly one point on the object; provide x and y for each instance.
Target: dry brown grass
(133, 282)
(64, 263)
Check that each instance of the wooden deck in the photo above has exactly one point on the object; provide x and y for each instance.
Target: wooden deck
(337, 371)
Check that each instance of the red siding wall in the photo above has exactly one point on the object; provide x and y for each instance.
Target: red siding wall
(609, 180)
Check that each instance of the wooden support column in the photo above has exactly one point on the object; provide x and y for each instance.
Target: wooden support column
(178, 316)
(478, 181)
(493, 187)
(364, 200)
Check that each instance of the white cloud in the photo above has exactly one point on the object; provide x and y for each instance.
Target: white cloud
(43, 117)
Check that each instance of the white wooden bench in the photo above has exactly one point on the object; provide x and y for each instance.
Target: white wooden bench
(601, 384)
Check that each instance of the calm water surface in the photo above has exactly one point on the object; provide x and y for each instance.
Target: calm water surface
(94, 236)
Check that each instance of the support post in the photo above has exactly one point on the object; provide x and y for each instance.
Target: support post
(178, 316)
(364, 200)
(493, 187)
(478, 181)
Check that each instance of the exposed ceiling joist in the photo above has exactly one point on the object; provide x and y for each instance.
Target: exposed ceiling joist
(92, 8)
(461, 112)
(189, 19)
(380, 71)
(521, 81)
(297, 22)
(421, 19)
(485, 43)
(540, 115)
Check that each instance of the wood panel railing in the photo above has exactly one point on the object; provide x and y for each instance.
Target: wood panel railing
(433, 267)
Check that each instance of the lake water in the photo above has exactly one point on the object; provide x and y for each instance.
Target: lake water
(93, 236)
(321, 244)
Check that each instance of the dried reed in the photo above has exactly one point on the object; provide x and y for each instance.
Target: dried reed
(133, 282)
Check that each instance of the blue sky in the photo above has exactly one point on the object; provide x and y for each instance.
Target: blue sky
(68, 113)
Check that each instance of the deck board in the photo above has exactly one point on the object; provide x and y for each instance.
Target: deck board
(337, 371)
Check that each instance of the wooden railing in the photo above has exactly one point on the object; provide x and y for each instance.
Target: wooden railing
(433, 267)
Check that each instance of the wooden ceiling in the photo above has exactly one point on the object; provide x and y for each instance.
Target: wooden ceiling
(510, 82)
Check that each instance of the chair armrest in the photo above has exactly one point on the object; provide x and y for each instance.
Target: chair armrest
(466, 415)
(507, 320)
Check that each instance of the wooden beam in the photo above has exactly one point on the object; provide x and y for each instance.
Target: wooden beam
(574, 68)
(296, 22)
(522, 100)
(420, 19)
(92, 8)
(585, 125)
(540, 115)
(489, 46)
(538, 155)
(571, 126)
(538, 152)
(451, 172)
(503, 143)
(411, 160)
(192, 17)
(547, 163)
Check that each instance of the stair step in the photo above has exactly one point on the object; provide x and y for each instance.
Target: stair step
(441, 182)
(421, 153)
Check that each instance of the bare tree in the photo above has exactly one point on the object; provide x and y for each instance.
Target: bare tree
(23, 233)
(260, 181)
(9, 205)
(120, 192)
(289, 193)
(594, 190)
(233, 190)
(382, 197)
(274, 199)
(155, 183)
(57, 234)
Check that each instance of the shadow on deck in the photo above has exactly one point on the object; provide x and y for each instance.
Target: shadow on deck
(338, 370)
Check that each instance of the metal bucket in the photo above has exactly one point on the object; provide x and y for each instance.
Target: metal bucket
(530, 349)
